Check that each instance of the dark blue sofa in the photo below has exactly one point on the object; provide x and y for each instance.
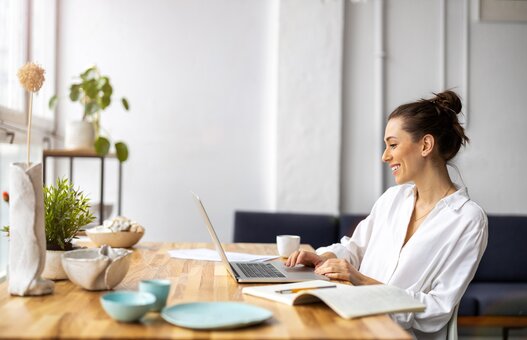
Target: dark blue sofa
(497, 297)
(257, 227)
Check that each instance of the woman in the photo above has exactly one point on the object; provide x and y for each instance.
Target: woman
(427, 237)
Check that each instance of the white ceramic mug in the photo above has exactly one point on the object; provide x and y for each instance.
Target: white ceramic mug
(287, 244)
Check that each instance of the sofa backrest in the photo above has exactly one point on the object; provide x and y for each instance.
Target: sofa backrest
(348, 223)
(505, 259)
(262, 227)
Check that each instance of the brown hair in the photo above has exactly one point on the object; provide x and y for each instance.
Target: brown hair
(438, 117)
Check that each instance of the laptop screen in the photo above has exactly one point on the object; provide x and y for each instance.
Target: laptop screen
(213, 235)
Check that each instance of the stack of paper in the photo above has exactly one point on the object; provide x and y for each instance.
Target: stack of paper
(212, 255)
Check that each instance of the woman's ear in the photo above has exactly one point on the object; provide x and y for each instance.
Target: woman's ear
(428, 143)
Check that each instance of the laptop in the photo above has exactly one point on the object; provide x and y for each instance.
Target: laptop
(257, 272)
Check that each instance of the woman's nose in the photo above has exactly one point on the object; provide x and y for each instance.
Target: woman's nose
(386, 155)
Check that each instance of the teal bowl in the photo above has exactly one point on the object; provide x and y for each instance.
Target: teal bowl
(127, 306)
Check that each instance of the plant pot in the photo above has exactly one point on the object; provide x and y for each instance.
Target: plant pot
(53, 269)
(79, 135)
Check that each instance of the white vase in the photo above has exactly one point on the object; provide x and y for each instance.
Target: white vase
(27, 248)
(53, 270)
(79, 135)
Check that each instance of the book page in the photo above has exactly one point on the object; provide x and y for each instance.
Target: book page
(270, 291)
(346, 300)
(354, 301)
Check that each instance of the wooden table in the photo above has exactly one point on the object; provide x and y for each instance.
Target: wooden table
(72, 312)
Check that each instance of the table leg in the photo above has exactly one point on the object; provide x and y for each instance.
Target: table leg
(71, 169)
(119, 189)
(44, 169)
(101, 207)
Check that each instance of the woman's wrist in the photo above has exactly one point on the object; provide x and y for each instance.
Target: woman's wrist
(327, 256)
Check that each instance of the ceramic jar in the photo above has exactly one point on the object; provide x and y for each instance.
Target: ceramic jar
(79, 135)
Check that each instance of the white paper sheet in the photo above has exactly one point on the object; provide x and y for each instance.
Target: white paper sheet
(212, 255)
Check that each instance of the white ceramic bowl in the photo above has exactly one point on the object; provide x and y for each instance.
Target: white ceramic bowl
(91, 270)
(116, 239)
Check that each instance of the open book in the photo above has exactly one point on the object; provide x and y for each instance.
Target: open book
(347, 301)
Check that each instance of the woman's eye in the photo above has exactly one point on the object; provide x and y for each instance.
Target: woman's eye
(393, 146)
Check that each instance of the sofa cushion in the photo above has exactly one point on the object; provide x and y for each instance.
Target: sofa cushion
(348, 223)
(502, 299)
(469, 304)
(505, 259)
(262, 227)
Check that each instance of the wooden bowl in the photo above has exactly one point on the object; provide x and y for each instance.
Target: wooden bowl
(117, 239)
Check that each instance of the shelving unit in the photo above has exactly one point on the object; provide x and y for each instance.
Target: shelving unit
(84, 153)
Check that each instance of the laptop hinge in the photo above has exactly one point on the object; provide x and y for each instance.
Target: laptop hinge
(234, 271)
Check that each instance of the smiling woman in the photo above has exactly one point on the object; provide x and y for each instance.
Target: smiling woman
(424, 235)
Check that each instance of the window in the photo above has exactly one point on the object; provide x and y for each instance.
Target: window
(27, 33)
(13, 51)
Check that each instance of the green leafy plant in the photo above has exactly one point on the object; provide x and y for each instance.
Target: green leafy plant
(66, 211)
(94, 91)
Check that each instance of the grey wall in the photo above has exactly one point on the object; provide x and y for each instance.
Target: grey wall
(493, 162)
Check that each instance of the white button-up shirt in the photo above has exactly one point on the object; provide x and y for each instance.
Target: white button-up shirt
(437, 263)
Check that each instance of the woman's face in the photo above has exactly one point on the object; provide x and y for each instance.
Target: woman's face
(401, 152)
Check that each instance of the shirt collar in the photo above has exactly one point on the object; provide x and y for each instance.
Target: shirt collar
(457, 199)
(454, 201)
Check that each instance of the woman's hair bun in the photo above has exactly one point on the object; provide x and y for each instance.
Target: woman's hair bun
(448, 100)
(436, 116)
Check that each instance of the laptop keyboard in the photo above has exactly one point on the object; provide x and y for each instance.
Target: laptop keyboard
(259, 270)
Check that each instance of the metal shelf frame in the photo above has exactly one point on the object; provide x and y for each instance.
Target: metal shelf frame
(81, 153)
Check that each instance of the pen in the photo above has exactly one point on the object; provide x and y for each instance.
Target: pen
(296, 290)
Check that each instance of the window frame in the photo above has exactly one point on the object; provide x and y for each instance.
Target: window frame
(10, 117)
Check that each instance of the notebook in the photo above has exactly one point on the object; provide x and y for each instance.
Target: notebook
(346, 300)
(259, 272)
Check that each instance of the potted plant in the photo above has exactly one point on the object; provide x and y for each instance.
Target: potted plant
(66, 211)
(94, 92)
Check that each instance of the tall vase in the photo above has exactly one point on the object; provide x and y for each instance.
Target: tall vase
(27, 249)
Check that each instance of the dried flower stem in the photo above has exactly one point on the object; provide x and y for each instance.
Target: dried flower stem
(31, 77)
(29, 126)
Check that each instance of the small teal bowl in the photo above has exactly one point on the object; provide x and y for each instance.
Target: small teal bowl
(127, 306)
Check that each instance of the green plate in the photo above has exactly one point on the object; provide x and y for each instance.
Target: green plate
(214, 315)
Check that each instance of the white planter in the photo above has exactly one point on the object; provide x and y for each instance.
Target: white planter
(79, 135)
(53, 269)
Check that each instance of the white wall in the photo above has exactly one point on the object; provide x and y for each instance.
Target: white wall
(211, 106)
(198, 78)
(493, 162)
(309, 106)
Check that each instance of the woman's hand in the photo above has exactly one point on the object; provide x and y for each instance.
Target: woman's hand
(306, 258)
(340, 269)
